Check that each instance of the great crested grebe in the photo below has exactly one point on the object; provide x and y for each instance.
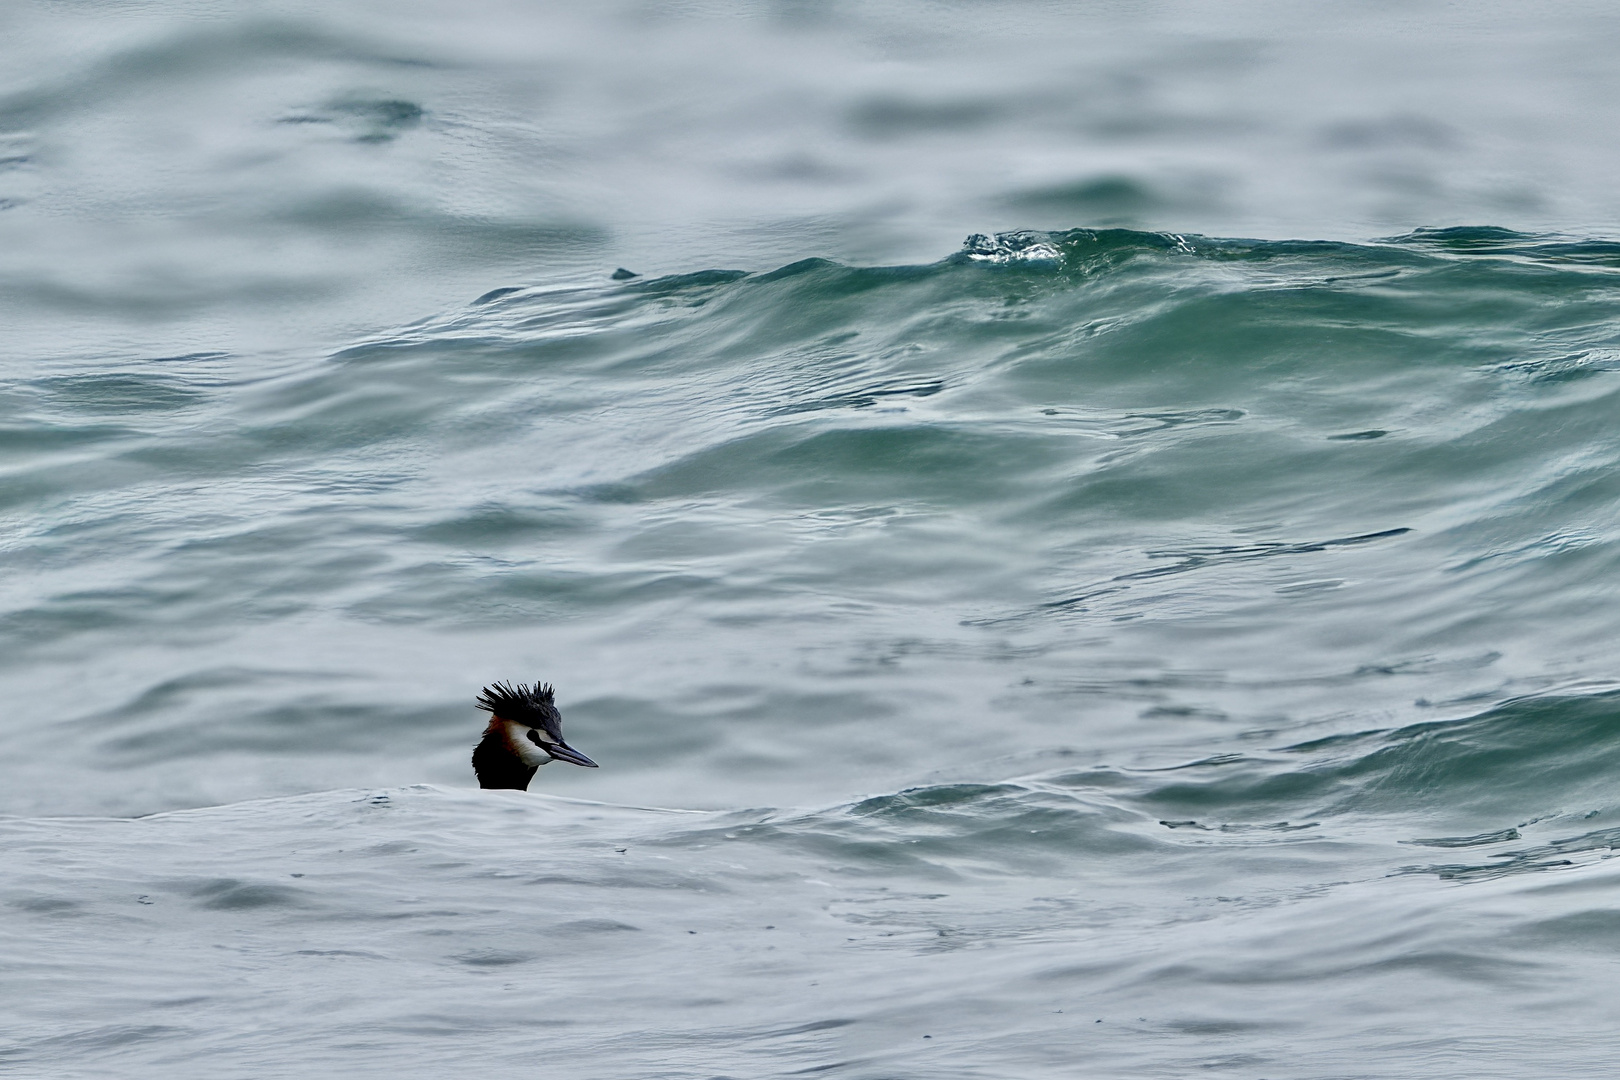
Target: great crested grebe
(524, 733)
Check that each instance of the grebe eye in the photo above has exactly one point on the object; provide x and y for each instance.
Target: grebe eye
(534, 736)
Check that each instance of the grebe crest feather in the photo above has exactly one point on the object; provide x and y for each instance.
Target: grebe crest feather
(524, 733)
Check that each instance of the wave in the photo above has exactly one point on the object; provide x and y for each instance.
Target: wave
(1375, 467)
(1523, 773)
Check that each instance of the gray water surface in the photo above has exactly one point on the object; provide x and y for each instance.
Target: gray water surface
(1088, 546)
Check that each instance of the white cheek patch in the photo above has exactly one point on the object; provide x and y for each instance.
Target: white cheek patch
(517, 737)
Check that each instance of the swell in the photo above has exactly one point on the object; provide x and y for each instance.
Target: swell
(1381, 469)
(1132, 378)
(1519, 783)
(1525, 786)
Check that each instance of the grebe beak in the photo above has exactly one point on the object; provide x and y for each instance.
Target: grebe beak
(561, 751)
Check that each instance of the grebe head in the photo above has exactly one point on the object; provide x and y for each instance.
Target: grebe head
(524, 733)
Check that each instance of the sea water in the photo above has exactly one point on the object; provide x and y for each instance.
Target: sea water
(1083, 541)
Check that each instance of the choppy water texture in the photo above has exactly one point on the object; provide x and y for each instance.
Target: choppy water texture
(1108, 651)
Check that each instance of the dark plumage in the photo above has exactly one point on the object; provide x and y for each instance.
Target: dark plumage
(524, 733)
(535, 707)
